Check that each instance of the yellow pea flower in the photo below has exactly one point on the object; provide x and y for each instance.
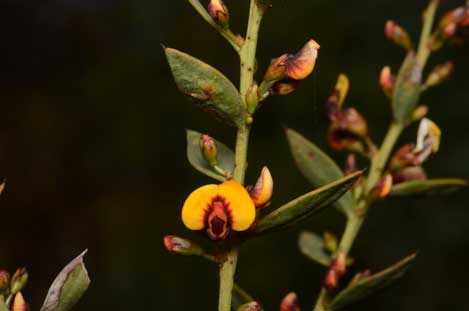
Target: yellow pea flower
(218, 209)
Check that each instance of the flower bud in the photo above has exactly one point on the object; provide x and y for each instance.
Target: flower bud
(398, 35)
(276, 70)
(19, 280)
(284, 87)
(382, 189)
(347, 129)
(359, 276)
(419, 113)
(340, 263)
(330, 242)
(261, 193)
(180, 246)
(250, 306)
(252, 98)
(439, 74)
(219, 12)
(386, 80)
(290, 303)
(403, 157)
(410, 173)
(4, 280)
(2, 186)
(428, 137)
(332, 280)
(208, 148)
(456, 17)
(19, 304)
(336, 99)
(300, 65)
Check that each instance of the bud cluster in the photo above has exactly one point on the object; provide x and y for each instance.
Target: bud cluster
(11, 287)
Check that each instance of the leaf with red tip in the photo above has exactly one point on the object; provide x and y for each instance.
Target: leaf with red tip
(371, 284)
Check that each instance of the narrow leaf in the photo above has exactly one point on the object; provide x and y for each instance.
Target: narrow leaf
(3, 306)
(212, 91)
(312, 246)
(316, 166)
(306, 205)
(429, 186)
(369, 285)
(68, 286)
(226, 158)
(407, 89)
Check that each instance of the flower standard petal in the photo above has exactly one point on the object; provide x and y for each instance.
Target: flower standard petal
(243, 211)
(194, 209)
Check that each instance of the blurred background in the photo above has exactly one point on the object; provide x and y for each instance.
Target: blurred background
(92, 144)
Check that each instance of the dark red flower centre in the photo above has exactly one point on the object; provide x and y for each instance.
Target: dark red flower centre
(218, 218)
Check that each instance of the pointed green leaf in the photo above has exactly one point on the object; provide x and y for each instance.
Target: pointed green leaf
(250, 306)
(3, 306)
(407, 89)
(429, 186)
(312, 246)
(68, 286)
(369, 285)
(306, 205)
(316, 166)
(212, 91)
(226, 158)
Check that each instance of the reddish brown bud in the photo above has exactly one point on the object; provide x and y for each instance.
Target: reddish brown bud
(340, 263)
(4, 280)
(180, 246)
(347, 129)
(208, 148)
(398, 35)
(219, 12)
(350, 164)
(284, 87)
(276, 70)
(386, 81)
(382, 189)
(403, 157)
(262, 191)
(290, 303)
(409, 174)
(332, 280)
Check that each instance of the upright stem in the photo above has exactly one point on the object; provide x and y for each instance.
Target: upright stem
(248, 61)
(428, 18)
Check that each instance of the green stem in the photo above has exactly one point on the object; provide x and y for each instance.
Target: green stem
(356, 220)
(225, 32)
(380, 159)
(424, 49)
(248, 60)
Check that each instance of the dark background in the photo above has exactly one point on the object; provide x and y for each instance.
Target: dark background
(92, 143)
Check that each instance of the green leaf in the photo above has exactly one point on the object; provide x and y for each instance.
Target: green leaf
(240, 297)
(429, 186)
(316, 166)
(312, 246)
(226, 157)
(3, 306)
(407, 89)
(68, 286)
(369, 285)
(212, 91)
(306, 205)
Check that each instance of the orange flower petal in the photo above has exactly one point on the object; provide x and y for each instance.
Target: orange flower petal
(243, 211)
(193, 211)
